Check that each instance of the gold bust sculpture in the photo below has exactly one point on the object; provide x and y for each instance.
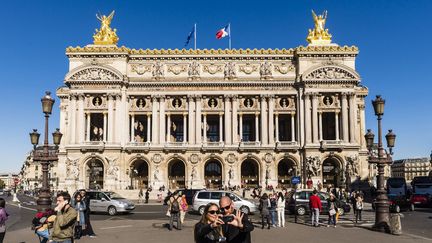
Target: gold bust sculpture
(105, 35)
(319, 35)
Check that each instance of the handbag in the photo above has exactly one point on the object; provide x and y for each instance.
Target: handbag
(332, 212)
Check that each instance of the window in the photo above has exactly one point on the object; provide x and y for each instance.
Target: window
(204, 195)
(216, 195)
(328, 126)
(233, 197)
(302, 195)
(285, 127)
(101, 195)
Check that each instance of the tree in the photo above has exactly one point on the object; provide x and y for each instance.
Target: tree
(2, 184)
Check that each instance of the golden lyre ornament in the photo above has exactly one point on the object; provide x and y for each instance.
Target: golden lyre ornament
(105, 35)
(319, 35)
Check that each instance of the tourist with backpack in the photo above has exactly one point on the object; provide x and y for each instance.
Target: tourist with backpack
(174, 211)
(42, 223)
(3, 218)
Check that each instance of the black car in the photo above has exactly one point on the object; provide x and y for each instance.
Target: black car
(188, 192)
(299, 203)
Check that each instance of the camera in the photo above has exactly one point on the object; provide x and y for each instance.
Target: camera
(227, 219)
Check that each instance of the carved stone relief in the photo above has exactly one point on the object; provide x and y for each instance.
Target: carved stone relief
(248, 68)
(212, 68)
(229, 71)
(176, 69)
(266, 70)
(313, 166)
(140, 69)
(95, 73)
(284, 68)
(327, 73)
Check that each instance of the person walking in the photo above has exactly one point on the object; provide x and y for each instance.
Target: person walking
(3, 218)
(309, 183)
(140, 196)
(183, 208)
(315, 207)
(80, 207)
(88, 228)
(264, 210)
(147, 196)
(65, 220)
(359, 208)
(332, 209)
(281, 210)
(174, 211)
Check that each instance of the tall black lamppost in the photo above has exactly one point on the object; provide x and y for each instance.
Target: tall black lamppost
(45, 154)
(381, 158)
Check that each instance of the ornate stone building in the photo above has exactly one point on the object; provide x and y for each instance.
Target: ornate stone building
(210, 118)
(410, 168)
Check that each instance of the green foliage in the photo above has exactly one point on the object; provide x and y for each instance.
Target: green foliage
(2, 184)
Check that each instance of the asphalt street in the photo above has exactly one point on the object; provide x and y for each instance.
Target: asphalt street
(415, 224)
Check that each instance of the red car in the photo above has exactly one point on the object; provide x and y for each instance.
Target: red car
(421, 200)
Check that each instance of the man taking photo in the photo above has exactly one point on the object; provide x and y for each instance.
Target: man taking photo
(65, 220)
(237, 226)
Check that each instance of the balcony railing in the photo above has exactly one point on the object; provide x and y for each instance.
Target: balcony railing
(93, 146)
(331, 144)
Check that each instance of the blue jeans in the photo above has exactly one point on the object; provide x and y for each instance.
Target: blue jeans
(65, 241)
(273, 216)
(44, 234)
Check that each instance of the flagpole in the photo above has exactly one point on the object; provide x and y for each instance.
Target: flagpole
(229, 39)
(195, 34)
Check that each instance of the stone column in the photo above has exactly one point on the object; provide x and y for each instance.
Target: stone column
(271, 133)
(320, 126)
(337, 125)
(235, 132)
(185, 127)
(293, 127)
(362, 129)
(314, 117)
(132, 127)
(227, 120)
(307, 121)
(221, 127)
(72, 121)
(110, 118)
(204, 128)
(277, 127)
(345, 122)
(301, 123)
(154, 128)
(148, 127)
(162, 124)
(191, 120)
(264, 127)
(241, 126)
(198, 120)
(117, 118)
(88, 115)
(353, 118)
(124, 117)
(104, 126)
(81, 123)
(257, 127)
(168, 127)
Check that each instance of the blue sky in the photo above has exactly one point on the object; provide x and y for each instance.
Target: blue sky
(393, 36)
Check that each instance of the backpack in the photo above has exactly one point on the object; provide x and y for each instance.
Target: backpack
(175, 207)
(38, 222)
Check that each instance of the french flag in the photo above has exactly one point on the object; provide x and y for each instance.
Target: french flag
(224, 32)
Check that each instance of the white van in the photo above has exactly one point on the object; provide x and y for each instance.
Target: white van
(202, 198)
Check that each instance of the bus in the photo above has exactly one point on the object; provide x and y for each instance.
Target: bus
(397, 186)
(422, 185)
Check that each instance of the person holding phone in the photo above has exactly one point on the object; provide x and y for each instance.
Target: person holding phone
(208, 229)
(63, 227)
(237, 226)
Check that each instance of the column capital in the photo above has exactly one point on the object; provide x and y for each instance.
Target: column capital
(149, 113)
(80, 96)
(234, 97)
(227, 97)
(190, 98)
(111, 96)
(198, 97)
(185, 114)
(73, 96)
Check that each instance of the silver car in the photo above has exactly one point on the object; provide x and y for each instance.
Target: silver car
(109, 202)
(202, 198)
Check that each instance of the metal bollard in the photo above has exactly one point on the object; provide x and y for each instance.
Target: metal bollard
(395, 224)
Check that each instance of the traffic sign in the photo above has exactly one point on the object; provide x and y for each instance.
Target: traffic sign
(295, 180)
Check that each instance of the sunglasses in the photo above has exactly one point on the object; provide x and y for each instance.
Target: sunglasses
(213, 211)
(226, 207)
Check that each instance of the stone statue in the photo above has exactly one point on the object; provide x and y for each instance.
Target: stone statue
(72, 168)
(268, 172)
(319, 35)
(156, 173)
(229, 71)
(231, 173)
(265, 70)
(194, 70)
(105, 35)
(194, 172)
(352, 166)
(158, 70)
(313, 166)
(113, 169)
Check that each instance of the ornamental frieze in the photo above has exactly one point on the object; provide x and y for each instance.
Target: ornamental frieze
(176, 68)
(248, 68)
(328, 73)
(140, 69)
(95, 73)
(266, 70)
(158, 71)
(284, 68)
(212, 68)
(194, 70)
(230, 71)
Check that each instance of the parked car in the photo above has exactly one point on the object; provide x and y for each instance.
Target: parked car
(299, 203)
(190, 193)
(421, 200)
(202, 198)
(109, 202)
(397, 203)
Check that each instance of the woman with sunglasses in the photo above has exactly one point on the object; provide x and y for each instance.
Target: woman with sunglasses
(208, 229)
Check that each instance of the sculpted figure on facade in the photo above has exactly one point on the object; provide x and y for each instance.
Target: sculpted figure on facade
(72, 168)
(313, 166)
(266, 70)
(113, 169)
(327, 73)
(94, 74)
(231, 173)
(194, 70)
(319, 33)
(229, 71)
(352, 165)
(194, 172)
(105, 35)
(156, 173)
(158, 70)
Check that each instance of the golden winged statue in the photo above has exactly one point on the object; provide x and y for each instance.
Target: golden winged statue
(319, 35)
(105, 35)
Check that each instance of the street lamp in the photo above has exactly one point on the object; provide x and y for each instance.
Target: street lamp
(45, 154)
(381, 159)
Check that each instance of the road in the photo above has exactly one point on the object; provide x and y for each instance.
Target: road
(415, 224)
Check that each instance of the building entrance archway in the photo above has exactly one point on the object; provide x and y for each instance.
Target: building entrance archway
(286, 170)
(213, 174)
(250, 173)
(94, 174)
(139, 174)
(331, 172)
(176, 174)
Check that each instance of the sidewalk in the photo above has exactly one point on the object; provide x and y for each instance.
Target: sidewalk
(154, 231)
